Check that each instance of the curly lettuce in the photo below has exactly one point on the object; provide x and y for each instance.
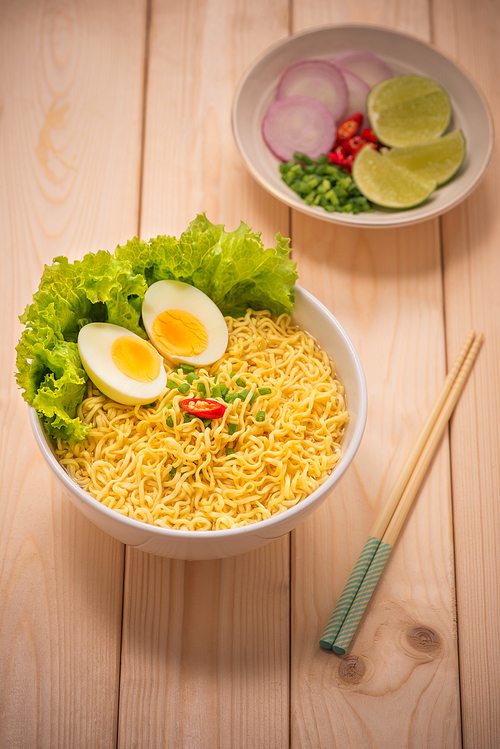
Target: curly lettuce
(233, 268)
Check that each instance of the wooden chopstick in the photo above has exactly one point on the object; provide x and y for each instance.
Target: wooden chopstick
(382, 521)
(378, 546)
(374, 571)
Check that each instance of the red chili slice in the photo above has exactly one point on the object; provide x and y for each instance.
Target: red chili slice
(367, 134)
(348, 162)
(337, 156)
(349, 127)
(356, 143)
(205, 408)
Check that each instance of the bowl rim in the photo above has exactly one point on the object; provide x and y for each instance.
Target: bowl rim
(43, 442)
(349, 219)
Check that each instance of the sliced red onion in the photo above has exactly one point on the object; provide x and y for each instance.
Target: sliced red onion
(368, 66)
(317, 79)
(357, 91)
(298, 123)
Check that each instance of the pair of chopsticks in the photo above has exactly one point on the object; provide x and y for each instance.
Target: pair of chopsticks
(367, 570)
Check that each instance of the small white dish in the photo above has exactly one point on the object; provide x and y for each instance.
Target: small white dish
(318, 321)
(404, 54)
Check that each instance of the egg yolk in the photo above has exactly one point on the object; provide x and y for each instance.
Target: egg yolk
(180, 333)
(135, 358)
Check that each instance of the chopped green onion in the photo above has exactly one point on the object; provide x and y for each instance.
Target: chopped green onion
(191, 377)
(324, 187)
(216, 377)
(184, 387)
(224, 390)
(265, 391)
(241, 382)
(207, 422)
(231, 397)
(232, 374)
(319, 182)
(200, 387)
(188, 418)
(303, 157)
(254, 397)
(172, 384)
(169, 422)
(186, 367)
(173, 471)
(232, 428)
(230, 451)
(260, 416)
(168, 405)
(215, 391)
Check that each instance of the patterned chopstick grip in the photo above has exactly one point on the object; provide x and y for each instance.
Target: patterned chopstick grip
(360, 603)
(349, 592)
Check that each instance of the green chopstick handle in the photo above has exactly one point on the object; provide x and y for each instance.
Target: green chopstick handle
(343, 604)
(358, 606)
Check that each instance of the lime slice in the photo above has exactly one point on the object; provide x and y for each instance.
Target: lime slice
(408, 109)
(386, 183)
(438, 160)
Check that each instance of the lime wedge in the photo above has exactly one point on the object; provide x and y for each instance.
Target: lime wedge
(386, 183)
(438, 160)
(408, 109)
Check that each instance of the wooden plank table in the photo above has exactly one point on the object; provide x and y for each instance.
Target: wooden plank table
(115, 121)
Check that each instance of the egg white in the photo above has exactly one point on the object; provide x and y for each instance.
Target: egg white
(94, 344)
(163, 296)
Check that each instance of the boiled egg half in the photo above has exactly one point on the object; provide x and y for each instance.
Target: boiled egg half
(183, 323)
(121, 364)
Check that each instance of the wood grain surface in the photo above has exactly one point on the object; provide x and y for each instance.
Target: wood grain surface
(68, 185)
(390, 281)
(471, 260)
(115, 121)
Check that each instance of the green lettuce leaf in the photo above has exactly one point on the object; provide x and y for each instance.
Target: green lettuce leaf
(156, 260)
(61, 391)
(97, 288)
(233, 268)
(113, 288)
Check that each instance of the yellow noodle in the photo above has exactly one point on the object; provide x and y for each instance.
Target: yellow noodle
(182, 477)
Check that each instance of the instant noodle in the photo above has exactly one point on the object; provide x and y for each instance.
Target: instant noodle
(276, 442)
